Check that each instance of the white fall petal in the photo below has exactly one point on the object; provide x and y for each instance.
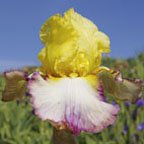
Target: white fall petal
(71, 102)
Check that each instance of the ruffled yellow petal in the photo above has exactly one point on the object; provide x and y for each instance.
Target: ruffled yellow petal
(103, 42)
(73, 45)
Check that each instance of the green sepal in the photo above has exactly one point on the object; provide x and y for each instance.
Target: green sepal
(121, 89)
(15, 86)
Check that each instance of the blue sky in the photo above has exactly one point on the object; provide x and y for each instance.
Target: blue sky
(20, 22)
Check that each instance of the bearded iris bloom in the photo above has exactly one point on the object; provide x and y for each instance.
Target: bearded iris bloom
(68, 89)
(66, 92)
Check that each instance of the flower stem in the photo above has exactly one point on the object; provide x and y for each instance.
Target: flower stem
(63, 137)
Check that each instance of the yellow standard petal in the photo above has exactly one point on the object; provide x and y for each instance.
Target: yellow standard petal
(73, 45)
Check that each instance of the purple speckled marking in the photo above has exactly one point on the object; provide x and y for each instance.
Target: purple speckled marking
(101, 93)
(73, 120)
(31, 79)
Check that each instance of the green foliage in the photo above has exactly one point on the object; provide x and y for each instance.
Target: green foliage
(19, 126)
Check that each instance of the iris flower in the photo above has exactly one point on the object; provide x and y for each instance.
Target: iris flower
(140, 127)
(68, 88)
